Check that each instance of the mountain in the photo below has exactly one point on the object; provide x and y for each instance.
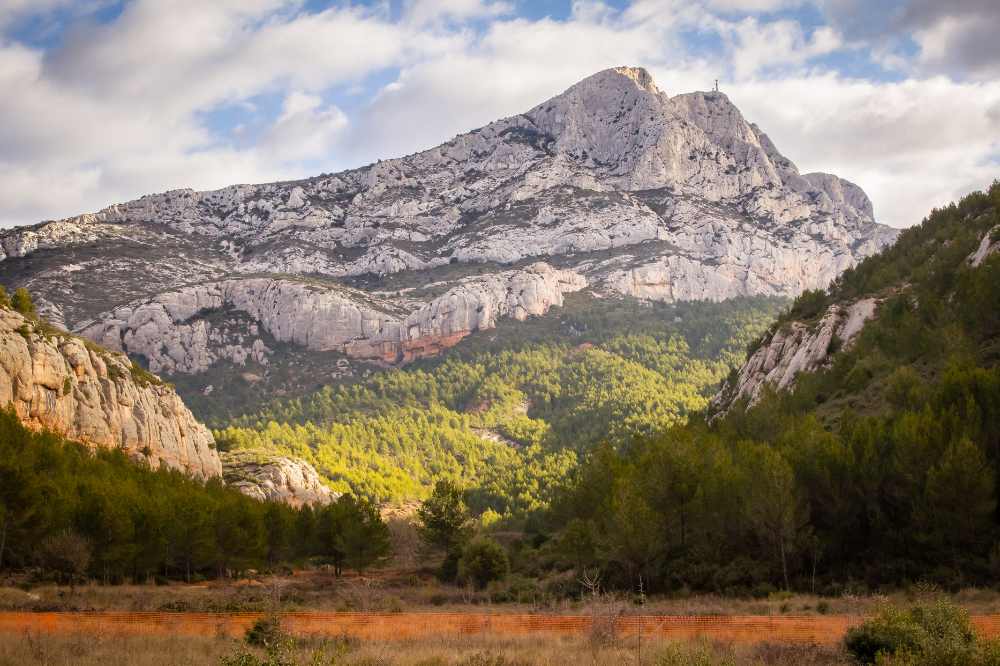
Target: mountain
(55, 381)
(613, 188)
(508, 414)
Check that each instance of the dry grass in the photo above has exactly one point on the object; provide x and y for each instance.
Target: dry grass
(391, 591)
(473, 651)
(91, 650)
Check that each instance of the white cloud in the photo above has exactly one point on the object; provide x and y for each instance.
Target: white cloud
(422, 12)
(115, 113)
(305, 130)
(753, 5)
(912, 145)
(12, 11)
(514, 66)
(757, 45)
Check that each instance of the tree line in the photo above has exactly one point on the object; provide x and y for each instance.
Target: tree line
(72, 513)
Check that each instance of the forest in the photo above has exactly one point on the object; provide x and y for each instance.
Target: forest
(510, 413)
(75, 514)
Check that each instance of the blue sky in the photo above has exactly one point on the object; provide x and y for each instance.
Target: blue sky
(108, 100)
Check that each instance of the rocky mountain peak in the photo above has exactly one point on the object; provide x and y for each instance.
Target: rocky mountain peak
(612, 187)
(607, 120)
(639, 75)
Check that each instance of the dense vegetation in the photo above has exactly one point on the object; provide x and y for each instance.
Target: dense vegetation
(509, 412)
(926, 634)
(74, 513)
(880, 470)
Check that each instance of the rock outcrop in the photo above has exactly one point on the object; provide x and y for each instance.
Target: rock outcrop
(59, 382)
(793, 348)
(267, 477)
(614, 183)
(989, 245)
(168, 331)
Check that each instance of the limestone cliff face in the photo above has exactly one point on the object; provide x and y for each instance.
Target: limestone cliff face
(386, 327)
(55, 381)
(621, 186)
(794, 348)
(275, 478)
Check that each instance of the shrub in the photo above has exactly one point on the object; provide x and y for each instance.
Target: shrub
(22, 302)
(695, 654)
(488, 659)
(448, 572)
(811, 303)
(68, 554)
(923, 635)
(266, 632)
(142, 376)
(835, 345)
(483, 561)
(516, 589)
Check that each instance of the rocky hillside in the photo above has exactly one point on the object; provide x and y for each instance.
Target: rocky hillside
(930, 283)
(275, 478)
(796, 346)
(62, 383)
(614, 186)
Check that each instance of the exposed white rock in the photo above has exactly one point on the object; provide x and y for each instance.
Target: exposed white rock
(796, 347)
(21, 242)
(55, 381)
(989, 245)
(168, 332)
(273, 478)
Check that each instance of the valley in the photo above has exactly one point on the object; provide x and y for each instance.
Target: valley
(609, 366)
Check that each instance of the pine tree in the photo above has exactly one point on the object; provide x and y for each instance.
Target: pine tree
(444, 517)
(22, 302)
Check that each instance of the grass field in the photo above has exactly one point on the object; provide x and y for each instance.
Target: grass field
(406, 618)
(398, 590)
(97, 650)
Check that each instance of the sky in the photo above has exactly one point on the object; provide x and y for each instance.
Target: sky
(104, 100)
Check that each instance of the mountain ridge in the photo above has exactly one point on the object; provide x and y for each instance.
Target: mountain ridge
(614, 186)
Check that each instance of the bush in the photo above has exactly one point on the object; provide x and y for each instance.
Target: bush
(695, 654)
(811, 303)
(67, 554)
(923, 635)
(266, 632)
(22, 302)
(488, 659)
(483, 561)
